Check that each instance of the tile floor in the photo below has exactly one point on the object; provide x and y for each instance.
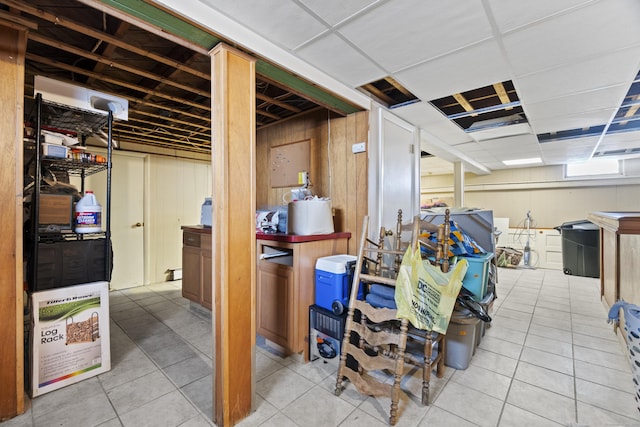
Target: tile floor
(548, 359)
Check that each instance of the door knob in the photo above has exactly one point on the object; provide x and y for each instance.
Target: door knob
(139, 224)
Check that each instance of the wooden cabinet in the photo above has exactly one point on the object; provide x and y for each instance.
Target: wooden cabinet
(275, 292)
(196, 266)
(286, 285)
(619, 252)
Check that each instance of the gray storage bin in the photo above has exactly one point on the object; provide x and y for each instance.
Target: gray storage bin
(460, 340)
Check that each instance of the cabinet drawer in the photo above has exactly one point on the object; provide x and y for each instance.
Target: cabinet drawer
(275, 255)
(191, 239)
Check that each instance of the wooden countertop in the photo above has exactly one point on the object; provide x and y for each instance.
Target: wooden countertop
(279, 237)
(618, 222)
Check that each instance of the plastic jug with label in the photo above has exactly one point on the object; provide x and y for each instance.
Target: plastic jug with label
(88, 214)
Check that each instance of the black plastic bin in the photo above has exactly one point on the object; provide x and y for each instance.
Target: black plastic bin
(580, 248)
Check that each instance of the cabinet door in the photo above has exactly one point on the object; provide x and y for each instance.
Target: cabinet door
(206, 274)
(191, 273)
(274, 289)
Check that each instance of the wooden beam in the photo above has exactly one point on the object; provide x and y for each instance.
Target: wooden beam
(463, 102)
(85, 31)
(102, 77)
(268, 114)
(106, 61)
(234, 241)
(12, 50)
(16, 19)
(393, 82)
(502, 94)
(378, 94)
(270, 100)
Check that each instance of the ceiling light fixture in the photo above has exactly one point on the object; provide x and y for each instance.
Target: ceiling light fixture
(519, 162)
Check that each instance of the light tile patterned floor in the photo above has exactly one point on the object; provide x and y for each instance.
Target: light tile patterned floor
(548, 359)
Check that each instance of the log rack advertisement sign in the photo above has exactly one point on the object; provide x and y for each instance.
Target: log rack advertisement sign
(70, 335)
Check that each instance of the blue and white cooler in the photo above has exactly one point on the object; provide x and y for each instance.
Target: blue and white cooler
(333, 282)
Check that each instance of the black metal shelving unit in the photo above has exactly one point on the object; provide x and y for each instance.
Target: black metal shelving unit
(83, 123)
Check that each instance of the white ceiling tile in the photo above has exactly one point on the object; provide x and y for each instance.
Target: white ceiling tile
(620, 141)
(417, 113)
(562, 122)
(608, 70)
(568, 151)
(518, 143)
(449, 134)
(586, 32)
(284, 22)
(597, 100)
(334, 56)
(510, 14)
(335, 11)
(476, 66)
(401, 33)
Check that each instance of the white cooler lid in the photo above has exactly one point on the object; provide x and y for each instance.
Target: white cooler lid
(335, 263)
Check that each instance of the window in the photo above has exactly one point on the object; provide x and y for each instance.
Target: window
(594, 168)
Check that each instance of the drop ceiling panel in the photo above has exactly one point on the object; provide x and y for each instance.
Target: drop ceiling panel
(334, 56)
(452, 73)
(335, 11)
(616, 141)
(510, 14)
(562, 122)
(597, 100)
(608, 70)
(511, 147)
(579, 150)
(401, 34)
(448, 133)
(284, 22)
(594, 30)
(417, 113)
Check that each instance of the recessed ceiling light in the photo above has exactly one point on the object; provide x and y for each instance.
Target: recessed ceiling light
(529, 161)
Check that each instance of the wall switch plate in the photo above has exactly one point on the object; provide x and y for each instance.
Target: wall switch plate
(360, 147)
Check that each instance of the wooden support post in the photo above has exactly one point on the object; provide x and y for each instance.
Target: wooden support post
(13, 45)
(233, 232)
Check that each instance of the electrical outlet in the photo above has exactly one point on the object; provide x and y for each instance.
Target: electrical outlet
(360, 147)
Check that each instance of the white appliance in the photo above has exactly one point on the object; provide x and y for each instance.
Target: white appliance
(79, 97)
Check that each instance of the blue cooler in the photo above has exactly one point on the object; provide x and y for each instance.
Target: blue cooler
(476, 279)
(333, 281)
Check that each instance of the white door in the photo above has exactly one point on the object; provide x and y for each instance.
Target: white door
(127, 217)
(396, 172)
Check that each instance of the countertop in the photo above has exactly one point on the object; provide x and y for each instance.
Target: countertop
(279, 237)
(619, 222)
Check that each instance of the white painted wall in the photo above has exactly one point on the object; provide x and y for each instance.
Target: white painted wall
(542, 190)
(176, 189)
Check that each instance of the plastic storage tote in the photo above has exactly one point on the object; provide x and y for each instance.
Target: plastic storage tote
(476, 278)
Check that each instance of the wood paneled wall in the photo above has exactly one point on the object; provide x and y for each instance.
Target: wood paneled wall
(335, 171)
